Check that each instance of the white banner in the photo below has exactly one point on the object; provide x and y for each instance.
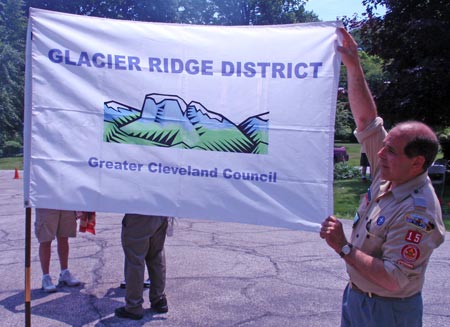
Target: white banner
(211, 122)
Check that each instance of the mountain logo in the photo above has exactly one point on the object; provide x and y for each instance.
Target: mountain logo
(168, 121)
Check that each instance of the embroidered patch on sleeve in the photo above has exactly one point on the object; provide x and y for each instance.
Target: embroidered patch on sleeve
(419, 221)
(410, 253)
(413, 236)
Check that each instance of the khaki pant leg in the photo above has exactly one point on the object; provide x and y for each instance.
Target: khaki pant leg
(156, 259)
(135, 243)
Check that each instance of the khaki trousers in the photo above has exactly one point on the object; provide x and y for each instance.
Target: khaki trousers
(143, 240)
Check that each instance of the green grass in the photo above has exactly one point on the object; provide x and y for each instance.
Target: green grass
(11, 163)
(346, 197)
(347, 192)
(354, 152)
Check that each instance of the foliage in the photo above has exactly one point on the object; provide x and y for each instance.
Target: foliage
(11, 148)
(343, 170)
(344, 124)
(13, 25)
(155, 10)
(219, 12)
(261, 12)
(12, 66)
(413, 40)
(197, 12)
(373, 70)
(444, 140)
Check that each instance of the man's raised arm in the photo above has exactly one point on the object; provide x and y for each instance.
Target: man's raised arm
(361, 101)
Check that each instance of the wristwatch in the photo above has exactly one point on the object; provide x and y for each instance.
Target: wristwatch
(346, 249)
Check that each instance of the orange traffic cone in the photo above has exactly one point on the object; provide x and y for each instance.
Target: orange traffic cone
(16, 174)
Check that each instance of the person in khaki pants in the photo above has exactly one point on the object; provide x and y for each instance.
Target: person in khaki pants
(143, 238)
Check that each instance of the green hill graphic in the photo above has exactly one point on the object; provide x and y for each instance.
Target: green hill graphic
(168, 121)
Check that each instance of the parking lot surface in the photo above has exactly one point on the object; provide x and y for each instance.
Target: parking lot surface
(218, 274)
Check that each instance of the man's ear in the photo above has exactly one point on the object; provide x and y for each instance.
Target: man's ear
(418, 163)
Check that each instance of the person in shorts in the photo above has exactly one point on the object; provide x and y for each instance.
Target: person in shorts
(59, 224)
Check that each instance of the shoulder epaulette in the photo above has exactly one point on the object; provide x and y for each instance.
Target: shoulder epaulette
(419, 201)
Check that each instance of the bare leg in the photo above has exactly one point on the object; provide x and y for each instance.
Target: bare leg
(63, 252)
(44, 256)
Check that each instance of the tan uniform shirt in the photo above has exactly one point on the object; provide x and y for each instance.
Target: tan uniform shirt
(402, 227)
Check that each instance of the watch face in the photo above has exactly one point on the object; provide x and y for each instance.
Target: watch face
(346, 249)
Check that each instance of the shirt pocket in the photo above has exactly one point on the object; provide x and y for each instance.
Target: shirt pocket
(375, 237)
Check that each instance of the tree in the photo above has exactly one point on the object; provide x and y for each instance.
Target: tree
(12, 66)
(201, 12)
(344, 124)
(143, 10)
(261, 12)
(413, 40)
(13, 15)
(373, 70)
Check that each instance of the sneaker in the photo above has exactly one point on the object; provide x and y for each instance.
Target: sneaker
(65, 277)
(123, 313)
(47, 284)
(160, 306)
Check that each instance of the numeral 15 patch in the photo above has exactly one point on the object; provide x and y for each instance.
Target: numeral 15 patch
(413, 237)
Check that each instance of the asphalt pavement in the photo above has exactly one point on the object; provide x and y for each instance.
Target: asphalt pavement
(218, 274)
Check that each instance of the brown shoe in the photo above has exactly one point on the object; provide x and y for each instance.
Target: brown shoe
(160, 306)
(123, 313)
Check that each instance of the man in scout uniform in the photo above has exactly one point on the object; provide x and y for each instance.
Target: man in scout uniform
(398, 223)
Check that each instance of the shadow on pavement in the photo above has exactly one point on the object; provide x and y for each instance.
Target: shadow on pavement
(72, 306)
